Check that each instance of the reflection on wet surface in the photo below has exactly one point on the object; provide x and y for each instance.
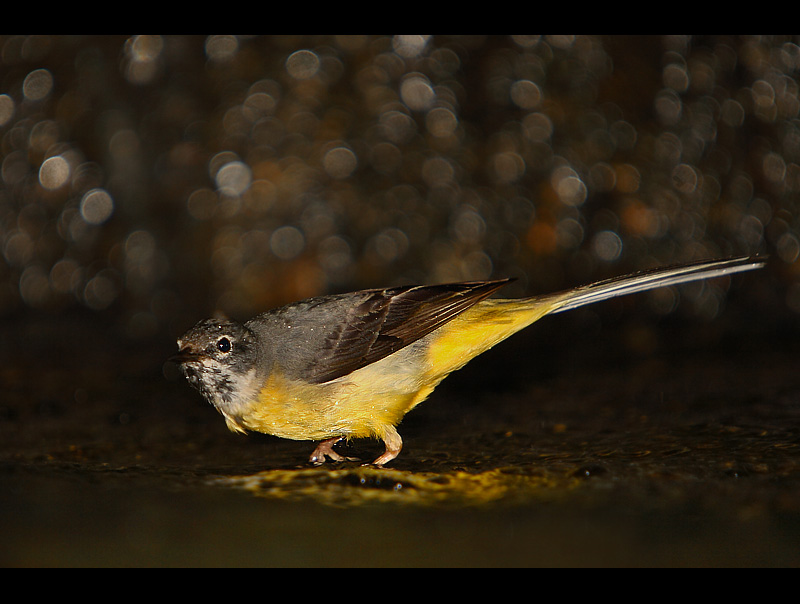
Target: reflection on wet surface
(367, 485)
(686, 457)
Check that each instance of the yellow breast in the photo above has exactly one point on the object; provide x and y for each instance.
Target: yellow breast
(360, 404)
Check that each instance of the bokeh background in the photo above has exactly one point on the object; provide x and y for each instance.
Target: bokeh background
(149, 181)
(162, 177)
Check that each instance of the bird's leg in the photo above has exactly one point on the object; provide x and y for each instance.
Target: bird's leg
(325, 449)
(393, 444)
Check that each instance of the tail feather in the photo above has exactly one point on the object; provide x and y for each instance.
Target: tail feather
(652, 279)
(493, 320)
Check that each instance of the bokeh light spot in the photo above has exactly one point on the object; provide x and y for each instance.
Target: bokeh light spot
(302, 64)
(143, 54)
(221, 48)
(287, 242)
(54, 172)
(63, 276)
(101, 290)
(18, 248)
(202, 204)
(38, 85)
(34, 286)
(409, 46)
(570, 188)
(526, 94)
(607, 245)
(537, 127)
(234, 178)
(339, 162)
(96, 206)
(508, 166)
(6, 109)
(437, 171)
(676, 77)
(789, 248)
(397, 126)
(417, 92)
(684, 177)
(441, 122)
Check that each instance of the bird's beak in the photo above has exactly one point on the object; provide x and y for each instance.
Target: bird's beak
(185, 356)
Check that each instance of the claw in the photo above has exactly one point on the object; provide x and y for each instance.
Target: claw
(391, 439)
(325, 450)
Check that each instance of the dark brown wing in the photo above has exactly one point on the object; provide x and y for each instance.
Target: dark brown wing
(384, 321)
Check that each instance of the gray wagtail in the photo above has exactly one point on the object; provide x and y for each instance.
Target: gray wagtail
(352, 365)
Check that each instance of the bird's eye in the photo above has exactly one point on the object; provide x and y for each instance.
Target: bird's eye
(224, 345)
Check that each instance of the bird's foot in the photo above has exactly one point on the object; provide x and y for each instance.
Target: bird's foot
(324, 451)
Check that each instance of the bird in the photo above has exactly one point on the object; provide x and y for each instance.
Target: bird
(352, 365)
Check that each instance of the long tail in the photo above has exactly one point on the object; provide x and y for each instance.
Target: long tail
(493, 320)
(651, 279)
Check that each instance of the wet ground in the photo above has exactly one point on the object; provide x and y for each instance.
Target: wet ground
(685, 452)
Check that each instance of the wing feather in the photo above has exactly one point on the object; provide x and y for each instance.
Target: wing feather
(385, 320)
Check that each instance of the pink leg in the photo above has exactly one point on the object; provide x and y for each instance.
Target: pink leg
(393, 444)
(325, 449)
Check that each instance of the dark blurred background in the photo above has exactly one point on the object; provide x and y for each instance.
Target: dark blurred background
(148, 181)
(159, 178)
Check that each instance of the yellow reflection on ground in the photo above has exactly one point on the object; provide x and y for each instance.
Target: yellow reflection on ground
(366, 485)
